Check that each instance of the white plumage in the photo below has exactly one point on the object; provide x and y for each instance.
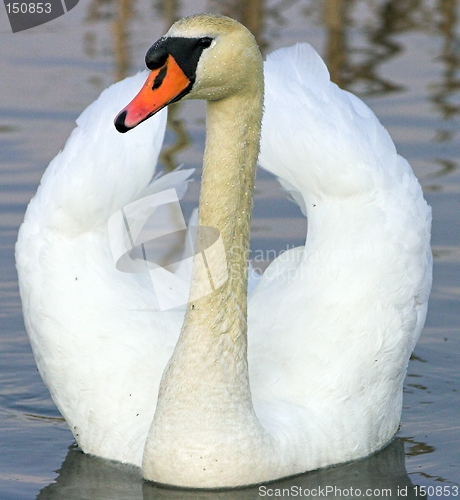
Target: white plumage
(331, 325)
(99, 344)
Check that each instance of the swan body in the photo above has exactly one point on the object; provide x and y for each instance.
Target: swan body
(310, 371)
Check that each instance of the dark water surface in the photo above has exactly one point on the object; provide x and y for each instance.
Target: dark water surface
(402, 57)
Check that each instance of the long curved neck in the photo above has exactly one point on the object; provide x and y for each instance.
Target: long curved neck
(232, 146)
(216, 322)
(215, 325)
(204, 408)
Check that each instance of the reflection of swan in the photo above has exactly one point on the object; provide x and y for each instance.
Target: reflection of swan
(331, 326)
(85, 478)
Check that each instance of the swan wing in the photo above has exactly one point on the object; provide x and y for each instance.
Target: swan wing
(98, 337)
(332, 326)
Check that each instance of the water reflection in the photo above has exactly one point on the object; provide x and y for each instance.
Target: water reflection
(84, 477)
(121, 38)
(335, 18)
(119, 13)
(417, 447)
(446, 93)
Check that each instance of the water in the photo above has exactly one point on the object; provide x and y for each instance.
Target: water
(401, 57)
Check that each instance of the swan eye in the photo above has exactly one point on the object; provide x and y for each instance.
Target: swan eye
(205, 42)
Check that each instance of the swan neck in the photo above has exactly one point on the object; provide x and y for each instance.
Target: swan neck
(227, 186)
(232, 146)
(204, 406)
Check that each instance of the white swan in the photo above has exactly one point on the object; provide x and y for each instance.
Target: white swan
(331, 325)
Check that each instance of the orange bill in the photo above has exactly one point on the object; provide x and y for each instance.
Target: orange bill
(163, 86)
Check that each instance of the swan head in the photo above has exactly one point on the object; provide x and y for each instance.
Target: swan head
(201, 57)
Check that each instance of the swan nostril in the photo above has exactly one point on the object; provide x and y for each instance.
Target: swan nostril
(160, 77)
(120, 122)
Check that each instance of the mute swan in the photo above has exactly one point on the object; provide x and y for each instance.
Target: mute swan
(330, 326)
